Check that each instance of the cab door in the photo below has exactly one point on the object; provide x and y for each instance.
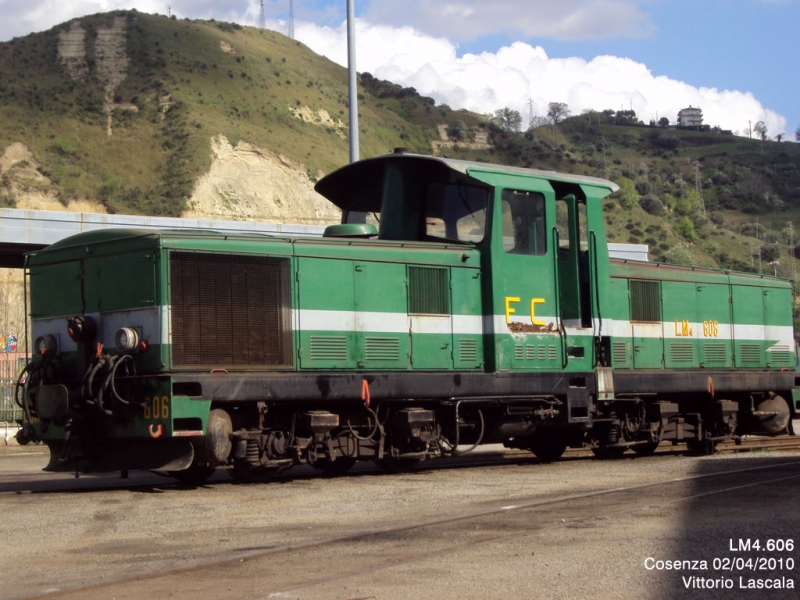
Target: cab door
(521, 268)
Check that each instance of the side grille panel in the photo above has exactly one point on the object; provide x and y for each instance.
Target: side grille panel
(230, 311)
(428, 289)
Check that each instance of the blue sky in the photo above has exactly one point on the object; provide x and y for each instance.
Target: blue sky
(735, 59)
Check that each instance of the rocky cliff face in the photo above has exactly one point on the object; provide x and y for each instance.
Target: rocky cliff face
(244, 183)
(251, 183)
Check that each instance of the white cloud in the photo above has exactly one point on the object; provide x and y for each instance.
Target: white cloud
(558, 19)
(514, 74)
(21, 18)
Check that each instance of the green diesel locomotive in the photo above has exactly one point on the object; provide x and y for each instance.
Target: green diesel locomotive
(458, 304)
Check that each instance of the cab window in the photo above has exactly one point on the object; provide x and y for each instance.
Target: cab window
(524, 223)
(457, 212)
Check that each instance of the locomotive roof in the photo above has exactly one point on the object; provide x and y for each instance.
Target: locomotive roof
(358, 186)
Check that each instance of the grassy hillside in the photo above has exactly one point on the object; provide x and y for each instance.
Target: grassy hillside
(701, 198)
(186, 81)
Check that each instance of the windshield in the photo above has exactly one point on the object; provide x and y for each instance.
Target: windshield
(451, 212)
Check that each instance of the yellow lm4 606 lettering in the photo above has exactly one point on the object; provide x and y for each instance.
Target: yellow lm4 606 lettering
(683, 329)
(711, 328)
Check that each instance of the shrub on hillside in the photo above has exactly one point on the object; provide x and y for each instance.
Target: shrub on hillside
(651, 204)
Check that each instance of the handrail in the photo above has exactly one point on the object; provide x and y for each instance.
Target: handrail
(595, 284)
(562, 332)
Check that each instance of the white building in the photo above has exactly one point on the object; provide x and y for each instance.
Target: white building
(690, 117)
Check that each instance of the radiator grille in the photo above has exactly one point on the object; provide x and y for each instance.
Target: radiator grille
(645, 300)
(428, 289)
(230, 311)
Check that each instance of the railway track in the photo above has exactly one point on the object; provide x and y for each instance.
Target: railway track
(40, 482)
(369, 554)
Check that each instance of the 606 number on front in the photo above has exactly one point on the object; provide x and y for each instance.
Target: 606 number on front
(156, 407)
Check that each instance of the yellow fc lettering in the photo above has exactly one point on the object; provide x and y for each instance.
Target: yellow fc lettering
(510, 311)
(534, 302)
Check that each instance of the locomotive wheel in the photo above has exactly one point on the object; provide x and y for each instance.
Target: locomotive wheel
(547, 446)
(334, 468)
(645, 449)
(606, 452)
(194, 475)
(777, 418)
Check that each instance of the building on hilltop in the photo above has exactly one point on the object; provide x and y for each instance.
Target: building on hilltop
(690, 117)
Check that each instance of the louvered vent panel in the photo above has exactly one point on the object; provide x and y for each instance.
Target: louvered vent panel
(782, 358)
(681, 352)
(714, 353)
(780, 354)
(230, 311)
(382, 348)
(619, 353)
(468, 350)
(541, 352)
(327, 347)
(519, 352)
(750, 353)
(428, 291)
(530, 352)
(552, 352)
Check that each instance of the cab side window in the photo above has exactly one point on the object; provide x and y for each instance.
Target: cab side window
(524, 230)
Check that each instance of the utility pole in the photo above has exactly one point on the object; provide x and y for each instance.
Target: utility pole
(262, 18)
(530, 112)
(605, 173)
(351, 67)
(791, 250)
(291, 19)
(698, 185)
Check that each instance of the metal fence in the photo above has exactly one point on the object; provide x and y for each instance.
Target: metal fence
(11, 365)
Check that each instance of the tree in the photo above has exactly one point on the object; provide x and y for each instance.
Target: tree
(458, 131)
(770, 252)
(508, 119)
(627, 196)
(797, 134)
(761, 129)
(538, 121)
(663, 122)
(558, 111)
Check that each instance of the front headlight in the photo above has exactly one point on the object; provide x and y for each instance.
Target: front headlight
(46, 345)
(127, 340)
